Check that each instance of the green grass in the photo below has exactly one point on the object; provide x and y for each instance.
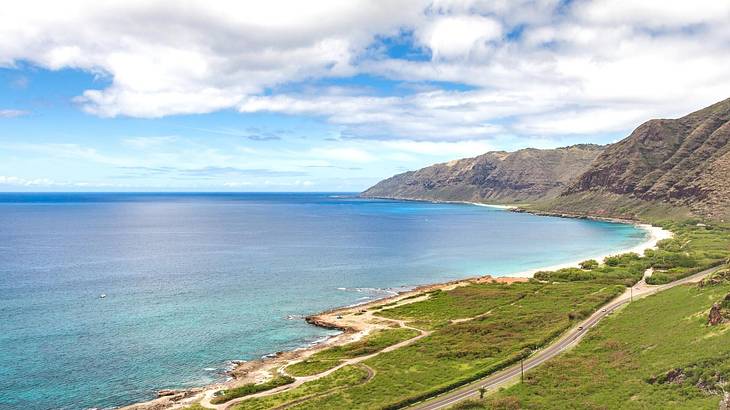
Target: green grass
(626, 269)
(459, 303)
(329, 358)
(342, 378)
(530, 315)
(251, 388)
(626, 361)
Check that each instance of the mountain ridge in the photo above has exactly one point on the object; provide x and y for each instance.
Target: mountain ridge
(679, 166)
(497, 176)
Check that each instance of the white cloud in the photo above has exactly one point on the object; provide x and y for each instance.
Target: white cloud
(343, 154)
(164, 58)
(459, 36)
(585, 121)
(13, 181)
(455, 149)
(544, 66)
(142, 143)
(17, 181)
(12, 113)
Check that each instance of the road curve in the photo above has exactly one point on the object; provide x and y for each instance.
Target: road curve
(570, 338)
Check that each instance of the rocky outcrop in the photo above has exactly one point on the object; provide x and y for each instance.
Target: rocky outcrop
(720, 312)
(715, 317)
(497, 177)
(720, 277)
(166, 399)
(316, 320)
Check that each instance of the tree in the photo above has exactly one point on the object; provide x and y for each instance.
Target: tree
(590, 264)
(482, 390)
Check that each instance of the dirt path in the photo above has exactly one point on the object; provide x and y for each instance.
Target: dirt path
(354, 318)
(370, 374)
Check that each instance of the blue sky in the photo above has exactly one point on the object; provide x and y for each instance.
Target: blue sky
(336, 95)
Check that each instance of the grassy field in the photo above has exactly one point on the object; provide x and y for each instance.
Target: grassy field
(330, 358)
(343, 378)
(506, 322)
(460, 303)
(657, 353)
(250, 388)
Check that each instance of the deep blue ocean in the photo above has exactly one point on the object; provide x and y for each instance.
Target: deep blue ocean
(196, 280)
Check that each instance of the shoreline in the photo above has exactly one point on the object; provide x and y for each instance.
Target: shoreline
(654, 235)
(260, 370)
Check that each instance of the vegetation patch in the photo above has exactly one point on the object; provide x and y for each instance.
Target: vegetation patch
(657, 353)
(460, 303)
(626, 269)
(692, 249)
(329, 358)
(345, 377)
(250, 388)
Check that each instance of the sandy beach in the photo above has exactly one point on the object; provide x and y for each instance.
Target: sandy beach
(356, 322)
(654, 235)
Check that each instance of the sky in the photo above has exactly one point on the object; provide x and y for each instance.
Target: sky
(332, 95)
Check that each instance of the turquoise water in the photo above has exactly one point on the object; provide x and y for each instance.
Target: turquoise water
(195, 280)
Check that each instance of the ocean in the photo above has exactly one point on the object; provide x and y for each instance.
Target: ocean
(193, 281)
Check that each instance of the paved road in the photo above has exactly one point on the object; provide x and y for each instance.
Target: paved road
(572, 337)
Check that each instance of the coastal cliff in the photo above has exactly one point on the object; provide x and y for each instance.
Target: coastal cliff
(498, 177)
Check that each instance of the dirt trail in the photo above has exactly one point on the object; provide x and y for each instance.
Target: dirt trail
(354, 318)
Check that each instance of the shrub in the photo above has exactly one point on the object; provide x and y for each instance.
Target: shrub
(590, 264)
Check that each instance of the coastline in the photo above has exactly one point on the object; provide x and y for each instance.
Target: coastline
(260, 370)
(654, 235)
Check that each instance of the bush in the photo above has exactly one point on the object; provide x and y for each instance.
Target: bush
(590, 264)
(622, 260)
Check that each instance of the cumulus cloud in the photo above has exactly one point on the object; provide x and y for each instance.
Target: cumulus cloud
(167, 58)
(530, 68)
(459, 36)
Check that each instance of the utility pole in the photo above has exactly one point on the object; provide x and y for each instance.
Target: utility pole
(632, 294)
(522, 370)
